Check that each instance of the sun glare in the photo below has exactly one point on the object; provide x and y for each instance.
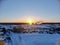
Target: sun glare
(30, 21)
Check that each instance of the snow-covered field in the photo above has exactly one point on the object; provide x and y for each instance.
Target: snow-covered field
(34, 38)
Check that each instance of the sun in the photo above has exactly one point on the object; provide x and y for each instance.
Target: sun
(30, 21)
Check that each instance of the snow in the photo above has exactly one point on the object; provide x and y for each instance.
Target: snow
(34, 39)
(31, 38)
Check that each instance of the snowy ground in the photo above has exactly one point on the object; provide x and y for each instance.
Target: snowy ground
(33, 39)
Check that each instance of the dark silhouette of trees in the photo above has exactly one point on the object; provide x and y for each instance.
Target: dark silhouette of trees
(18, 29)
(52, 29)
(4, 31)
(57, 30)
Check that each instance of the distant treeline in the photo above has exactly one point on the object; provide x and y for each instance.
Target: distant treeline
(27, 23)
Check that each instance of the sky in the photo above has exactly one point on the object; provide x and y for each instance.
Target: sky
(19, 10)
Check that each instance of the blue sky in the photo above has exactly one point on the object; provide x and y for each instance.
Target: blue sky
(17, 10)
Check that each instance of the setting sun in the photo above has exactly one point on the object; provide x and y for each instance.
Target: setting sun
(30, 21)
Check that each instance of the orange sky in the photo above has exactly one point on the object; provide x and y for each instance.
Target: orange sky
(25, 20)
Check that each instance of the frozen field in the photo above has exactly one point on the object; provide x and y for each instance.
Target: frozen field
(47, 37)
(34, 39)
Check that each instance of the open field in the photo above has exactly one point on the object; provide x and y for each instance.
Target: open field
(24, 34)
